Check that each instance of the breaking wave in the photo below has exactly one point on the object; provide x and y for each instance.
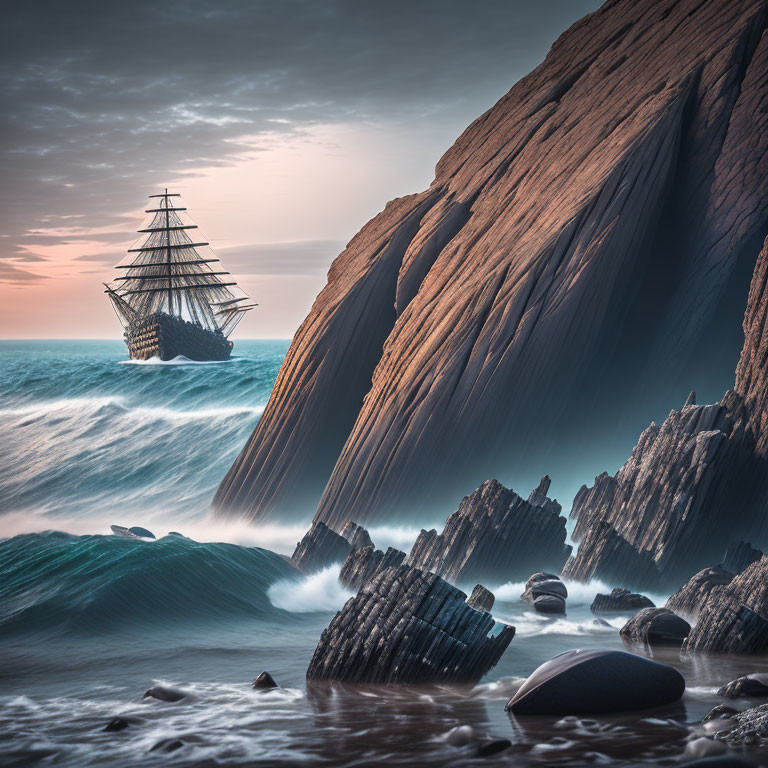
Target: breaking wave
(319, 591)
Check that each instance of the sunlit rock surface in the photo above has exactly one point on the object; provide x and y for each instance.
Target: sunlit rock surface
(574, 244)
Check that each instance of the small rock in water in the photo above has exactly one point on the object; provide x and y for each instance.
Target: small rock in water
(460, 736)
(536, 579)
(167, 745)
(549, 604)
(750, 685)
(582, 682)
(703, 747)
(265, 681)
(720, 712)
(493, 747)
(142, 533)
(116, 724)
(655, 627)
(162, 693)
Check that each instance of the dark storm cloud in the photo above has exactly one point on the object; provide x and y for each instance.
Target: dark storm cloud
(102, 100)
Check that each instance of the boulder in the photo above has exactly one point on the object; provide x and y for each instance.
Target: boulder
(593, 682)
(550, 585)
(481, 599)
(356, 535)
(727, 626)
(494, 536)
(410, 626)
(689, 599)
(167, 745)
(163, 693)
(749, 685)
(549, 604)
(363, 563)
(719, 712)
(492, 747)
(620, 600)
(320, 548)
(655, 627)
(265, 681)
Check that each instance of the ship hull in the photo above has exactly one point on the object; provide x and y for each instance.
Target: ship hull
(166, 337)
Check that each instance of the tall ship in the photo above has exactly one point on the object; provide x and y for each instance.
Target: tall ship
(171, 295)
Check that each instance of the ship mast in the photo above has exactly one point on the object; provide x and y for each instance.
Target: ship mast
(167, 268)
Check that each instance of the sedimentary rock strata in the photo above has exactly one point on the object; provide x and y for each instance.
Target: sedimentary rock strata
(620, 599)
(408, 626)
(481, 599)
(689, 599)
(356, 535)
(363, 563)
(608, 556)
(655, 627)
(320, 548)
(592, 682)
(575, 241)
(494, 536)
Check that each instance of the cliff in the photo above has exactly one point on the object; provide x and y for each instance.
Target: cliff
(574, 244)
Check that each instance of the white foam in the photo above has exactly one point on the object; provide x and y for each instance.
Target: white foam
(178, 360)
(45, 407)
(320, 591)
(579, 593)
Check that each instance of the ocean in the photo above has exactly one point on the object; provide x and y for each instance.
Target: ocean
(89, 621)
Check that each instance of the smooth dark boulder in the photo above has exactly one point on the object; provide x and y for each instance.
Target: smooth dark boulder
(740, 556)
(481, 599)
(162, 693)
(749, 685)
(167, 745)
(655, 627)
(116, 724)
(495, 536)
(691, 597)
(540, 587)
(620, 600)
(534, 579)
(320, 548)
(549, 604)
(408, 626)
(363, 563)
(265, 681)
(593, 682)
(492, 747)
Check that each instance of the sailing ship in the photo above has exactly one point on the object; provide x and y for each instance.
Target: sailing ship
(172, 298)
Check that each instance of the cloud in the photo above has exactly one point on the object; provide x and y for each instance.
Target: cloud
(301, 257)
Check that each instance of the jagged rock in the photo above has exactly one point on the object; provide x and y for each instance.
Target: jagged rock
(356, 535)
(543, 584)
(481, 599)
(726, 626)
(620, 599)
(592, 682)
(265, 681)
(691, 399)
(408, 626)
(750, 685)
(676, 494)
(494, 536)
(320, 548)
(740, 556)
(549, 604)
(502, 310)
(689, 599)
(747, 727)
(363, 563)
(604, 554)
(655, 627)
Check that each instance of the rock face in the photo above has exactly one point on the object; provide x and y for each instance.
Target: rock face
(356, 535)
(494, 536)
(592, 682)
(408, 626)
(481, 599)
(606, 555)
(673, 500)
(363, 563)
(319, 548)
(620, 599)
(740, 556)
(689, 599)
(469, 328)
(655, 627)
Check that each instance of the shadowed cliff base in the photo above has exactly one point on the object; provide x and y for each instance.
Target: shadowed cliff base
(551, 284)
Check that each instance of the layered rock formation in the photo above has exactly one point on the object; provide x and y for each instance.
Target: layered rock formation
(495, 536)
(620, 599)
(319, 548)
(363, 563)
(571, 248)
(655, 627)
(481, 599)
(408, 626)
(693, 595)
(674, 499)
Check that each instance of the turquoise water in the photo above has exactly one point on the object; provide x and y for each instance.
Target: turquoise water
(84, 431)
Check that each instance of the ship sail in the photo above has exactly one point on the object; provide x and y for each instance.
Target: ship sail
(171, 270)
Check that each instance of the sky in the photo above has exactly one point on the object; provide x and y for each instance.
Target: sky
(284, 124)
